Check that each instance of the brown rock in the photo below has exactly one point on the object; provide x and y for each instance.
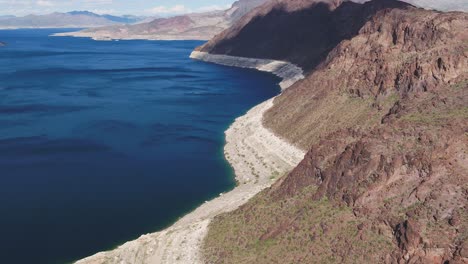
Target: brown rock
(407, 235)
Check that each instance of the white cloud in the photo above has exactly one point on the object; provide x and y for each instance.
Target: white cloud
(182, 9)
(44, 3)
(212, 8)
(176, 9)
(103, 11)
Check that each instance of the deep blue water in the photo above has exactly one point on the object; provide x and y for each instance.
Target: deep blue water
(101, 142)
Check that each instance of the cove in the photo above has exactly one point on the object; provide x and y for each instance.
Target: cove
(101, 142)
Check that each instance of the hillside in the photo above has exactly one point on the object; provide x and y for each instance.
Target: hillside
(383, 114)
(75, 19)
(301, 32)
(196, 26)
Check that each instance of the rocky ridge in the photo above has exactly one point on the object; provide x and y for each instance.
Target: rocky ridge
(383, 114)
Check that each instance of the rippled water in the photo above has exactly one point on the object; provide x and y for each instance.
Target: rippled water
(101, 142)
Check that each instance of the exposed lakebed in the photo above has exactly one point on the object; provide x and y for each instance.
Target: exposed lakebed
(101, 142)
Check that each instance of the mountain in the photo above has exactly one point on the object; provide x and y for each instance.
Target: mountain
(75, 19)
(196, 26)
(383, 114)
(242, 7)
(126, 19)
(301, 32)
(6, 17)
(452, 5)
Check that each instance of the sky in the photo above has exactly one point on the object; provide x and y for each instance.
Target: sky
(117, 7)
(159, 7)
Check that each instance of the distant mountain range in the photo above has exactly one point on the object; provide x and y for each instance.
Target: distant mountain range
(125, 19)
(74, 19)
(6, 17)
(197, 26)
(452, 5)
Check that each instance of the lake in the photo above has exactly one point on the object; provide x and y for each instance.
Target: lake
(101, 142)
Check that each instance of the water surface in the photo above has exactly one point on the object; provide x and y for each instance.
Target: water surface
(101, 142)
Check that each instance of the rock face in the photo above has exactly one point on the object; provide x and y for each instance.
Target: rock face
(383, 112)
(197, 26)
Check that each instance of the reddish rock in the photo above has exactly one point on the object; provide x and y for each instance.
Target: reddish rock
(383, 114)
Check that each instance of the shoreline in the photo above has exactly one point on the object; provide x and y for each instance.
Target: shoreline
(288, 72)
(258, 158)
(105, 37)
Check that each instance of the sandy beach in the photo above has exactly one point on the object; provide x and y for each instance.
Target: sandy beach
(258, 157)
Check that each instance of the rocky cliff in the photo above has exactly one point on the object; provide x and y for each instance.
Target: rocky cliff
(383, 112)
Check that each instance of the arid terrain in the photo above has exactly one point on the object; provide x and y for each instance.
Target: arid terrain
(383, 113)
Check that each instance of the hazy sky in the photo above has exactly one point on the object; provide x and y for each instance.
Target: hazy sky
(159, 7)
(139, 7)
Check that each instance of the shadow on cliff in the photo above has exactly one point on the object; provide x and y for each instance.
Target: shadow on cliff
(304, 37)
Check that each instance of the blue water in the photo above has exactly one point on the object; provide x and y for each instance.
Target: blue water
(101, 142)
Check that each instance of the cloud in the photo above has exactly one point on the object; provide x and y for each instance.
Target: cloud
(176, 9)
(182, 9)
(212, 8)
(44, 3)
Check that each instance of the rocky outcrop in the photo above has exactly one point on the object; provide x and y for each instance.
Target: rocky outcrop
(289, 73)
(383, 114)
